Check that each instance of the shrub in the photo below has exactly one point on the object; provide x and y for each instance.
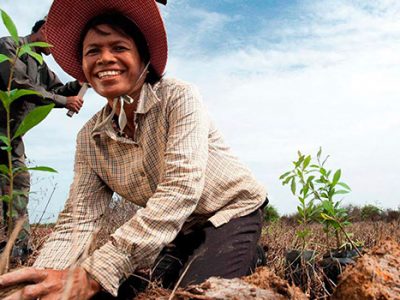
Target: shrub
(392, 215)
(271, 214)
(370, 212)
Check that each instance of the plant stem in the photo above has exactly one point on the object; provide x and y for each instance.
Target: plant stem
(350, 240)
(337, 238)
(9, 154)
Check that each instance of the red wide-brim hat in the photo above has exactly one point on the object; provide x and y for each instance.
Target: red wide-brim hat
(67, 18)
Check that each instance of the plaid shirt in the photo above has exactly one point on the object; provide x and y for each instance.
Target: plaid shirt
(177, 168)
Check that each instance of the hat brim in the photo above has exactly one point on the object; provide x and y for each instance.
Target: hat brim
(67, 18)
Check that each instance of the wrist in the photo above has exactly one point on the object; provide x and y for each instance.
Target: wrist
(94, 285)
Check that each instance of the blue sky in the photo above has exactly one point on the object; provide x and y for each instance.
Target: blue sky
(277, 77)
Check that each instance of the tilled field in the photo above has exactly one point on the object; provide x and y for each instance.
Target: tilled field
(374, 276)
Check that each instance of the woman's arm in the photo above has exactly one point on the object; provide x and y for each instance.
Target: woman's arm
(54, 270)
(87, 201)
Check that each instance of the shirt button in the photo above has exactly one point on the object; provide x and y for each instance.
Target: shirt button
(142, 174)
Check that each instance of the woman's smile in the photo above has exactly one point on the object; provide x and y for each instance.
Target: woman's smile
(108, 74)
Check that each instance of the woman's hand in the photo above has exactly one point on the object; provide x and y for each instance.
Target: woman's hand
(50, 284)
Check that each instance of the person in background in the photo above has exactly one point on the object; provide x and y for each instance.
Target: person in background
(30, 75)
(154, 144)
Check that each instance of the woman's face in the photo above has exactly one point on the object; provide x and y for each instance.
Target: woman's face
(111, 62)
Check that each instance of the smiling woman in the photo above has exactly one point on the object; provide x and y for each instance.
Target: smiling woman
(111, 63)
(154, 144)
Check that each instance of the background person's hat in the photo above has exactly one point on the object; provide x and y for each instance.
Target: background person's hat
(67, 19)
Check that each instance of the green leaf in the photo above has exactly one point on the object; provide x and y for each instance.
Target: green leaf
(310, 179)
(300, 211)
(5, 140)
(336, 177)
(4, 58)
(293, 186)
(24, 49)
(8, 22)
(6, 148)
(286, 181)
(341, 192)
(39, 44)
(324, 195)
(319, 153)
(5, 198)
(5, 99)
(306, 161)
(327, 217)
(325, 160)
(285, 175)
(311, 184)
(342, 184)
(32, 119)
(17, 93)
(331, 193)
(305, 190)
(346, 223)
(42, 168)
(4, 169)
(327, 205)
(298, 163)
(27, 50)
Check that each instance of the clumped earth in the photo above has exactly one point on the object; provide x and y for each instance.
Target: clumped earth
(375, 276)
(262, 285)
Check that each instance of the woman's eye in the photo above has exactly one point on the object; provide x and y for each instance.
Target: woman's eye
(120, 48)
(91, 51)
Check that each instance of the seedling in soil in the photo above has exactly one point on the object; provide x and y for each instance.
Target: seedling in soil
(317, 183)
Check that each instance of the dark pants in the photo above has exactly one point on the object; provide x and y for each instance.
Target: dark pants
(20, 202)
(228, 251)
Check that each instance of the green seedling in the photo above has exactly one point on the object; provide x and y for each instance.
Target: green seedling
(7, 172)
(317, 190)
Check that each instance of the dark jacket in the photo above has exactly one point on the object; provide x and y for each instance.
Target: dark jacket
(28, 74)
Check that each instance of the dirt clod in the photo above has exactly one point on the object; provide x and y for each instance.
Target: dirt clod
(234, 289)
(375, 276)
(264, 278)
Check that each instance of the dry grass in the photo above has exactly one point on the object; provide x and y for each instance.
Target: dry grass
(280, 237)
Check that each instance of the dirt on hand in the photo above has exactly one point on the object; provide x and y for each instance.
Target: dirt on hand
(376, 275)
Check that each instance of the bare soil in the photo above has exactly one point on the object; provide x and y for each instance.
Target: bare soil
(262, 285)
(375, 276)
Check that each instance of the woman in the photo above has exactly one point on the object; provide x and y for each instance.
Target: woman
(153, 144)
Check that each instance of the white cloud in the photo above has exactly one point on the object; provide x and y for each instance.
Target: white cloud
(331, 80)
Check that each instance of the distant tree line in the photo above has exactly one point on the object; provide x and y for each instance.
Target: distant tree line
(367, 212)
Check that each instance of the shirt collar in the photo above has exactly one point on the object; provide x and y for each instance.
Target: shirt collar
(147, 99)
